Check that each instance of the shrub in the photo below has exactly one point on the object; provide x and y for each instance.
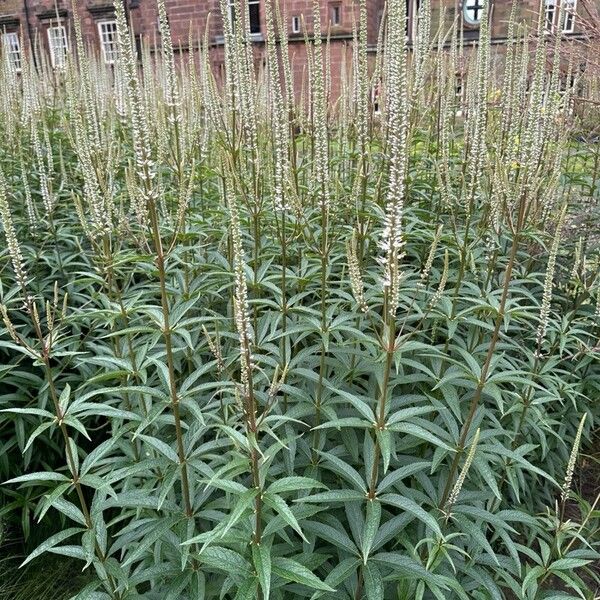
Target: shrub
(257, 346)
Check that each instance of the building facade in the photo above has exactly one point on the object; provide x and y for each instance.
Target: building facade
(47, 25)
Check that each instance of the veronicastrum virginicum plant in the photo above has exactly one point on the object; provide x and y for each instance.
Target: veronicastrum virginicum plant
(263, 342)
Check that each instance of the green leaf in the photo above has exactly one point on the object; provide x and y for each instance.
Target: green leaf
(291, 484)
(63, 401)
(70, 510)
(530, 581)
(40, 429)
(150, 538)
(163, 448)
(421, 433)
(353, 422)
(38, 477)
(244, 502)
(399, 474)
(98, 453)
(385, 445)
(344, 470)
(412, 507)
(334, 496)
(279, 505)
(28, 411)
(331, 534)
(248, 590)
(567, 564)
(261, 557)
(225, 560)
(371, 527)
(407, 413)
(408, 566)
(344, 569)
(290, 570)
(52, 541)
(374, 588)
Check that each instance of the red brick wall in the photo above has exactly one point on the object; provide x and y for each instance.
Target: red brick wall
(195, 14)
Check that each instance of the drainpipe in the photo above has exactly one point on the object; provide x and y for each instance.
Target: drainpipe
(29, 30)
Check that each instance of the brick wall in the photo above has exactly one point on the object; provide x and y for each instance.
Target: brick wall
(191, 17)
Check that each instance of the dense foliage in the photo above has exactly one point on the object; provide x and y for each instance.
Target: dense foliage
(260, 344)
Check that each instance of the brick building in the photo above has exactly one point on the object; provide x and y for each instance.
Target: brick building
(47, 24)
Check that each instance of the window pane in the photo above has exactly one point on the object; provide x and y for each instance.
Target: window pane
(550, 12)
(569, 20)
(254, 13)
(11, 47)
(336, 15)
(57, 42)
(108, 40)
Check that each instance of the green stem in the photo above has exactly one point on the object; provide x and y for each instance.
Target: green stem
(167, 337)
(484, 372)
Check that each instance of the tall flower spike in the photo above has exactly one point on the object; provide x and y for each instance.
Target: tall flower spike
(356, 281)
(9, 324)
(280, 126)
(566, 488)
(31, 212)
(397, 129)
(478, 111)
(577, 262)
(463, 475)
(215, 348)
(171, 87)
(422, 45)
(319, 111)
(14, 250)
(548, 284)
(431, 255)
(443, 281)
(47, 198)
(241, 311)
(139, 126)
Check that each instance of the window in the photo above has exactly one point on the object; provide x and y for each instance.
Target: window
(11, 46)
(59, 46)
(336, 14)
(458, 86)
(253, 14)
(296, 24)
(472, 11)
(570, 9)
(412, 17)
(549, 15)
(107, 30)
(376, 98)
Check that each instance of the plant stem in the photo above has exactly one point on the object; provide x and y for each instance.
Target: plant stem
(484, 372)
(166, 331)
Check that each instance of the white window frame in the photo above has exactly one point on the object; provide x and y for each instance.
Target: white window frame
(257, 3)
(109, 48)
(550, 11)
(412, 17)
(335, 10)
(296, 24)
(54, 33)
(570, 12)
(245, 5)
(11, 48)
(466, 16)
(231, 12)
